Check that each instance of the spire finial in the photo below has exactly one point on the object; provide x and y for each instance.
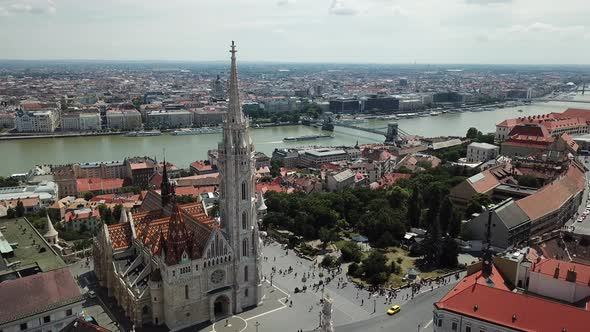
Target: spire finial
(233, 50)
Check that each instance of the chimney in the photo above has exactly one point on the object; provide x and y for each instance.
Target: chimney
(556, 273)
(571, 275)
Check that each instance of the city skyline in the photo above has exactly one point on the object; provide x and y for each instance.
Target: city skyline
(302, 31)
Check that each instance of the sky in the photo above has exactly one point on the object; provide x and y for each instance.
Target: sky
(329, 31)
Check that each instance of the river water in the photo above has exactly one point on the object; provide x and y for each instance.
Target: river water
(20, 155)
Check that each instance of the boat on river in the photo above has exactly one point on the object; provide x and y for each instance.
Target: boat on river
(143, 133)
(196, 131)
(306, 138)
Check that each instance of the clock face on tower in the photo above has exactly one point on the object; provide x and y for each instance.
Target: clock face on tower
(217, 276)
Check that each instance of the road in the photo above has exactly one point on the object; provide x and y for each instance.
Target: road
(582, 227)
(414, 312)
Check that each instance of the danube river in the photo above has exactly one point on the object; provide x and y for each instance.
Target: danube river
(20, 155)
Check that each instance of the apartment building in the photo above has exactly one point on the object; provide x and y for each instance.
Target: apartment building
(121, 119)
(43, 121)
(80, 121)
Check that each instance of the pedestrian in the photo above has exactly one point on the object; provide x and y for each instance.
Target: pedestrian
(362, 302)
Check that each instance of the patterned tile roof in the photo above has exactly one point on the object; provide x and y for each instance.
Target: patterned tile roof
(152, 228)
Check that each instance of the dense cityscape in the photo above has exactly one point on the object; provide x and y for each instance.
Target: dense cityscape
(237, 196)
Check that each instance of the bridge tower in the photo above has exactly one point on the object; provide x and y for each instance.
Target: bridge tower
(392, 132)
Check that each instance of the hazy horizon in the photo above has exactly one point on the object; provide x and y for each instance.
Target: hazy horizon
(511, 32)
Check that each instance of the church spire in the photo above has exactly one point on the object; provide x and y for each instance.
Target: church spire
(165, 186)
(234, 107)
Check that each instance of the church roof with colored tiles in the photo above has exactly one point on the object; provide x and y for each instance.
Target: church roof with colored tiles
(152, 228)
(120, 235)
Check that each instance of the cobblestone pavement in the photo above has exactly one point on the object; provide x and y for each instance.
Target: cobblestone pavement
(301, 310)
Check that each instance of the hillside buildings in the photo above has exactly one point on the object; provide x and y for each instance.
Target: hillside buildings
(172, 263)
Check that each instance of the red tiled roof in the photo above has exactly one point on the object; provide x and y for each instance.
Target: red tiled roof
(484, 184)
(98, 184)
(514, 310)
(494, 280)
(547, 267)
(275, 186)
(28, 202)
(539, 131)
(72, 215)
(577, 113)
(193, 191)
(570, 142)
(135, 166)
(81, 325)
(37, 293)
(552, 196)
(201, 166)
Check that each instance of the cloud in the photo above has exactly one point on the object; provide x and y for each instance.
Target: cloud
(367, 8)
(487, 2)
(286, 2)
(545, 28)
(28, 7)
(344, 8)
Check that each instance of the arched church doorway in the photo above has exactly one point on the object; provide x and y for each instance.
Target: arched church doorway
(146, 315)
(221, 307)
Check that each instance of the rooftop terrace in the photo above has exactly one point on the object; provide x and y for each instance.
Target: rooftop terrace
(31, 250)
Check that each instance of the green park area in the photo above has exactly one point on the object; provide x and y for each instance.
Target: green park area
(383, 216)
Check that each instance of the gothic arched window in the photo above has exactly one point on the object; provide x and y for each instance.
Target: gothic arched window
(244, 221)
(245, 273)
(244, 190)
(186, 292)
(245, 247)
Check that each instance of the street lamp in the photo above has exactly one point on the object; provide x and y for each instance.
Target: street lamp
(374, 305)
(418, 327)
(257, 325)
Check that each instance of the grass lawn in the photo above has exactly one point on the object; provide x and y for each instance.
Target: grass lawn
(408, 262)
(340, 244)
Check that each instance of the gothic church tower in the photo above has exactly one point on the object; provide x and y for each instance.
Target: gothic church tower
(237, 199)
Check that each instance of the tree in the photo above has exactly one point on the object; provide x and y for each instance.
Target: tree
(117, 210)
(329, 261)
(454, 227)
(431, 245)
(448, 256)
(275, 167)
(415, 208)
(528, 181)
(385, 240)
(327, 236)
(475, 204)
(445, 215)
(354, 270)
(375, 267)
(472, 133)
(105, 214)
(88, 195)
(20, 209)
(351, 252)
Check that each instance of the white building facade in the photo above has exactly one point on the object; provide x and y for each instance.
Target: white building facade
(481, 152)
(37, 122)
